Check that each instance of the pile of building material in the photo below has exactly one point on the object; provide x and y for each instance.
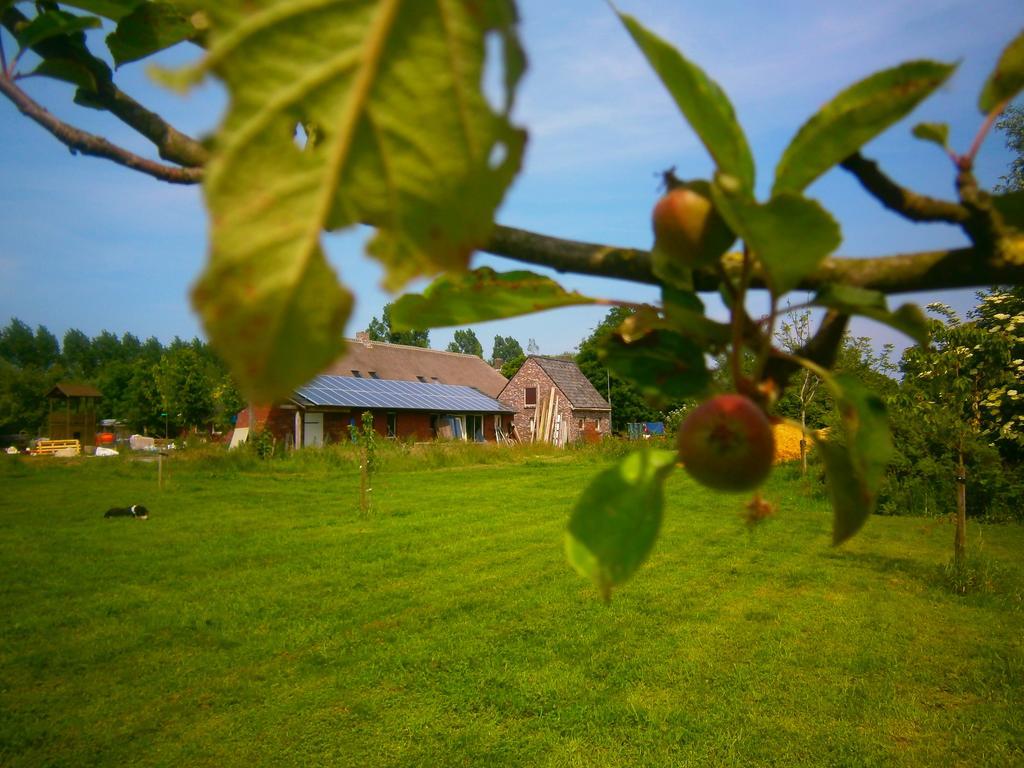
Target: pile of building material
(547, 426)
(56, 448)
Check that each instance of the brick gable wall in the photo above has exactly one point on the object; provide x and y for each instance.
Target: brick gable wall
(532, 375)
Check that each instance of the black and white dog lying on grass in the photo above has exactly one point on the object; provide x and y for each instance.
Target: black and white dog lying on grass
(137, 511)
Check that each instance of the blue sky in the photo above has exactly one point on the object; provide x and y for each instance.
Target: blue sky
(87, 244)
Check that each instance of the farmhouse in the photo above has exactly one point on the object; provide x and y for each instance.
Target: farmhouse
(413, 394)
(554, 402)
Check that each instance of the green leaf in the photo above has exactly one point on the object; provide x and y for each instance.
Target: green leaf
(684, 313)
(1011, 208)
(68, 71)
(479, 295)
(149, 28)
(790, 235)
(662, 364)
(937, 133)
(407, 142)
(852, 300)
(856, 466)
(702, 102)
(51, 24)
(617, 518)
(108, 9)
(853, 118)
(1007, 79)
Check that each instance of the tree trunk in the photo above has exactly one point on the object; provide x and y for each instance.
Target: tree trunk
(960, 539)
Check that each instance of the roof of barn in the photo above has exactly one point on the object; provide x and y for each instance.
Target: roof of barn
(577, 388)
(398, 362)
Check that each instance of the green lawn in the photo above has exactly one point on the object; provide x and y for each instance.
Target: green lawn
(257, 619)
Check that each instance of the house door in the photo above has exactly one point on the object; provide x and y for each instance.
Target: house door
(313, 429)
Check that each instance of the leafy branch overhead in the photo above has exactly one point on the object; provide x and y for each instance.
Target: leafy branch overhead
(376, 112)
(398, 134)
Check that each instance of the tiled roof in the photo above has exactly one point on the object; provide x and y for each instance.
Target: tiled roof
(574, 385)
(397, 362)
(67, 389)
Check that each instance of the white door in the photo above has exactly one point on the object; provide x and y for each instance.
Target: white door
(313, 429)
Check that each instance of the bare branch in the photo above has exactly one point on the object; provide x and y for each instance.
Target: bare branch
(89, 144)
(901, 200)
(924, 271)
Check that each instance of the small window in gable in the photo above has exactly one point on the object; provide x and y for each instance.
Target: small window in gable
(531, 396)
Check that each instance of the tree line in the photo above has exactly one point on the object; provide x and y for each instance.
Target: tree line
(150, 387)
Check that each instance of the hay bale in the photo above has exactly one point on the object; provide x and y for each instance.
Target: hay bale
(787, 442)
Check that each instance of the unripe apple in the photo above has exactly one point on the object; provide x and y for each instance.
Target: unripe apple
(727, 443)
(688, 229)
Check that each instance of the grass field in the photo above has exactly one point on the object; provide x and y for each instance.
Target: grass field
(257, 619)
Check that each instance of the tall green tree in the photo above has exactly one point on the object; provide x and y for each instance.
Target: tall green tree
(186, 388)
(505, 348)
(77, 354)
(949, 409)
(510, 368)
(381, 330)
(20, 346)
(467, 343)
(1012, 125)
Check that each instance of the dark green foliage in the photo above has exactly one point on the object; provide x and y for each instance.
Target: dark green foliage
(1012, 124)
(467, 343)
(960, 397)
(381, 330)
(511, 367)
(506, 348)
(140, 381)
(262, 444)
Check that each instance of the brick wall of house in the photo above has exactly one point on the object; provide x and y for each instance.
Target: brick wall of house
(410, 425)
(281, 424)
(599, 421)
(532, 375)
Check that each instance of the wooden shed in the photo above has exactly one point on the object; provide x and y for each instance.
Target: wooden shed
(73, 412)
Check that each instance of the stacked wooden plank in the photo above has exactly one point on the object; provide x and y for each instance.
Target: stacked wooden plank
(57, 448)
(544, 422)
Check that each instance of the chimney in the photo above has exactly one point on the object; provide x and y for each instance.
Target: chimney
(363, 337)
(498, 362)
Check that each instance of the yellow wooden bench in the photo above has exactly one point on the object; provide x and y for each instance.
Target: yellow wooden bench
(51, 447)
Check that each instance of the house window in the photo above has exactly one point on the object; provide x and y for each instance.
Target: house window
(392, 424)
(373, 375)
(422, 378)
(475, 427)
(531, 396)
(357, 374)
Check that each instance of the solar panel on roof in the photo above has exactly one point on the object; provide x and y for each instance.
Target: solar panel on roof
(350, 392)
